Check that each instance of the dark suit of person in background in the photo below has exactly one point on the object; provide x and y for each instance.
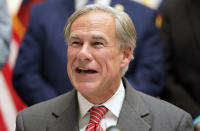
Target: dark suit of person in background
(181, 35)
(101, 41)
(40, 72)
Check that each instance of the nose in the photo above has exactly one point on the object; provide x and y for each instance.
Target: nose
(84, 54)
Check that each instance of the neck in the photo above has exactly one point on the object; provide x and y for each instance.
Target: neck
(98, 98)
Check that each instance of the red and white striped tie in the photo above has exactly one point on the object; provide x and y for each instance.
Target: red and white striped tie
(96, 114)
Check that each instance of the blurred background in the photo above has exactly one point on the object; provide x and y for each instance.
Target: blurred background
(10, 103)
(13, 6)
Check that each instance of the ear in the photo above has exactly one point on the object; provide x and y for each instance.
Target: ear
(127, 54)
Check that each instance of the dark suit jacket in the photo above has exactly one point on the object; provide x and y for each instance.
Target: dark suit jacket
(181, 34)
(40, 71)
(139, 112)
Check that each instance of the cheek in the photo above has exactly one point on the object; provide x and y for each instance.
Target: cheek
(110, 61)
(70, 58)
(71, 54)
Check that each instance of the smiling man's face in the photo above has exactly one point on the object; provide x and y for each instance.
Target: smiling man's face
(94, 59)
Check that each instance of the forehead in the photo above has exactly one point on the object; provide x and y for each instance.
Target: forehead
(94, 20)
(95, 15)
(94, 23)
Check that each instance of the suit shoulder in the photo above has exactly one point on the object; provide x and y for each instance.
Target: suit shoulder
(39, 115)
(46, 107)
(162, 110)
(155, 112)
(164, 113)
(160, 104)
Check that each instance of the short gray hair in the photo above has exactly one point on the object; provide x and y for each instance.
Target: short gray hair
(125, 30)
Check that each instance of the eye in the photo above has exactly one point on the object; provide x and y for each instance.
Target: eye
(75, 43)
(98, 44)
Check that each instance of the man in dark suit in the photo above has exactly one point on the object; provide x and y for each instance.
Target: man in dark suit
(40, 72)
(101, 41)
(181, 38)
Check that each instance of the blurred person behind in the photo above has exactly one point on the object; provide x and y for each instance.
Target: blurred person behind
(40, 72)
(5, 32)
(181, 38)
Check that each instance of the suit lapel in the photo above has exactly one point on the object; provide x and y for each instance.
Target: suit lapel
(65, 117)
(134, 112)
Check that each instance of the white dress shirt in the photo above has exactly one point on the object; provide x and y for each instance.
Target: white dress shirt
(114, 105)
(81, 3)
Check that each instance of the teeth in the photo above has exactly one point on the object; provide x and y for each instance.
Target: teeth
(82, 69)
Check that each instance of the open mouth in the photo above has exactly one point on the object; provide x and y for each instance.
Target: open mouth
(87, 71)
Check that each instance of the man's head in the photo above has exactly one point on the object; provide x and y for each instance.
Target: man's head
(100, 41)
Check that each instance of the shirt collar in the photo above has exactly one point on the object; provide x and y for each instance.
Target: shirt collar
(114, 104)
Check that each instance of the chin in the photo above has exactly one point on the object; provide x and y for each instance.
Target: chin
(86, 88)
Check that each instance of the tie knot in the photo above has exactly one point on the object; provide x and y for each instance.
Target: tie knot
(97, 113)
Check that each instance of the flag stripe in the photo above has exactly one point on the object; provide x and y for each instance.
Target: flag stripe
(7, 75)
(8, 108)
(18, 29)
(2, 123)
(14, 47)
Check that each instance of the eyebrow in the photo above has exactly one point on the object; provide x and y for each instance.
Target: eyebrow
(75, 37)
(94, 37)
(98, 37)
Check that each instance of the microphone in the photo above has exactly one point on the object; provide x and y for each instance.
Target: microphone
(114, 128)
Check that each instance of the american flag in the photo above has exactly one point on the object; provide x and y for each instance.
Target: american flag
(10, 103)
